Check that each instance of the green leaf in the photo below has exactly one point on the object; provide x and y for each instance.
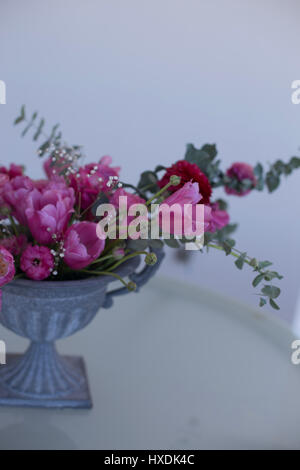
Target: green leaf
(258, 170)
(21, 117)
(274, 304)
(39, 130)
(272, 181)
(172, 243)
(148, 182)
(155, 244)
(43, 148)
(240, 261)
(26, 129)
(211, 149)
(257, 280)
(295, 162)
(271, 291)
(223, 234)
(137, 245)
(197, 156)
(262, 302)
(228, 245)
(264, 264)
(222, 204)
(159, 168)
(53, 133)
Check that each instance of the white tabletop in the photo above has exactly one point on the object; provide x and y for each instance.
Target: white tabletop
(172, 367)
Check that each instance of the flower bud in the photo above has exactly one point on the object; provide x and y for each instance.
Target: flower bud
(131, 286)
(118, 253)
(175, 180)
(253, 262)
(151, 259)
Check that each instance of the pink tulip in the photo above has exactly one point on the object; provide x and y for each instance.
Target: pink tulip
(48, 211)
(37, 262)
(82, 245)
(15, 193)
(184, 220)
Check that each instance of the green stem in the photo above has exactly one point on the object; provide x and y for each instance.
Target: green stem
(13, 225)
(236, 255)
(111, 245)
(126, 258)
(99, 260)
(17, 276)
(104, 273)
(162, 190)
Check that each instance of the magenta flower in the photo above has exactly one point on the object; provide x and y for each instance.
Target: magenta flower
(130, 201)
(7, 268)
(185, 220)
(12, 171)
(239, 172)
(219, 218)
(15, 245)
(82, 245)
(131, 198)
(121, 205)
(92, 179)
(48, 211)
(4, 178)
(37, 262)
(15, 194)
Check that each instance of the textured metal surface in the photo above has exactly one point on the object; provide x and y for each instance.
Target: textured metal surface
(44, 312)
(77, 397)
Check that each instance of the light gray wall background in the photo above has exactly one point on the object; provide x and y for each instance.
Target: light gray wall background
(138, 79)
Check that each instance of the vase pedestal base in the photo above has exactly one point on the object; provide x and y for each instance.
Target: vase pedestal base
(77, 398)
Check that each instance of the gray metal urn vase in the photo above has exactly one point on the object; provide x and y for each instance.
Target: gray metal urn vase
(45, 312)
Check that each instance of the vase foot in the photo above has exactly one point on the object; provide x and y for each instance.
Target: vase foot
(79, 398)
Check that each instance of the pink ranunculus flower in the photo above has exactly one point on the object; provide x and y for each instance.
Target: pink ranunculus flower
(15, 193)
(240, 171)
(13, 171)
(49, 210)
(82, 245)
(37, 262)
(92, 179)
(7, 268)
(219, 218)
(185, 221)
(15, 245)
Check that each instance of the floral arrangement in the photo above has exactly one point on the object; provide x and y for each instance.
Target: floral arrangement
(49, 228)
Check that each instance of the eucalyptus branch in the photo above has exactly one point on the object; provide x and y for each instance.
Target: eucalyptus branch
(268, 291)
